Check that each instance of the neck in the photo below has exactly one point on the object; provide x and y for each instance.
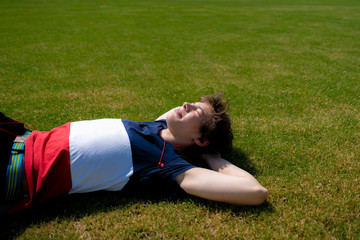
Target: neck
(167, 135)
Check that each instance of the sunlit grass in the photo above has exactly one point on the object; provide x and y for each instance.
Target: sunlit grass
(291, 69)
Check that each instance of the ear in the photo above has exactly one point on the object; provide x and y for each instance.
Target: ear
(201, 142)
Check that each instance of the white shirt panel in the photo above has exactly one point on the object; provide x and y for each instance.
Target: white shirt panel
(100, 155)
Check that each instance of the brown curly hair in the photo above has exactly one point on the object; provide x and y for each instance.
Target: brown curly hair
(217, 129)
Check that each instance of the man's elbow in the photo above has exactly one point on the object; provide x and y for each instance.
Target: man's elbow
(260, 195)
(254, 196)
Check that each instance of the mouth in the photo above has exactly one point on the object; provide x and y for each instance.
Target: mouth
(178, 112)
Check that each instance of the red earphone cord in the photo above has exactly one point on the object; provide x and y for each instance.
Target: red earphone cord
(162, 154)
(1, 129)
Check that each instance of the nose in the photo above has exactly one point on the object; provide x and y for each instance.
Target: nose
(188, 106)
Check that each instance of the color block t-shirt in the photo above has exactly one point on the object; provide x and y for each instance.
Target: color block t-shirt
(94, 155)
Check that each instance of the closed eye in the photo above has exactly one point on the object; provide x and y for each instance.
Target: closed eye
(200, 112)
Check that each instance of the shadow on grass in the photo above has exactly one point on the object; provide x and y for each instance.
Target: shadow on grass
(76, 206)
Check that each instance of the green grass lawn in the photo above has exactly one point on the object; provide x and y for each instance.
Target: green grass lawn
(290, 68)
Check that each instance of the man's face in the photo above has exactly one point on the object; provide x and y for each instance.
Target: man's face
(184, 122)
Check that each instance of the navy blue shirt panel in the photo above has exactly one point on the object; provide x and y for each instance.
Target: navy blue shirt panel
(147, 147)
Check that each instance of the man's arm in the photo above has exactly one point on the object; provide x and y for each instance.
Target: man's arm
(163, 116)
(225, 183)
(219, 164)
